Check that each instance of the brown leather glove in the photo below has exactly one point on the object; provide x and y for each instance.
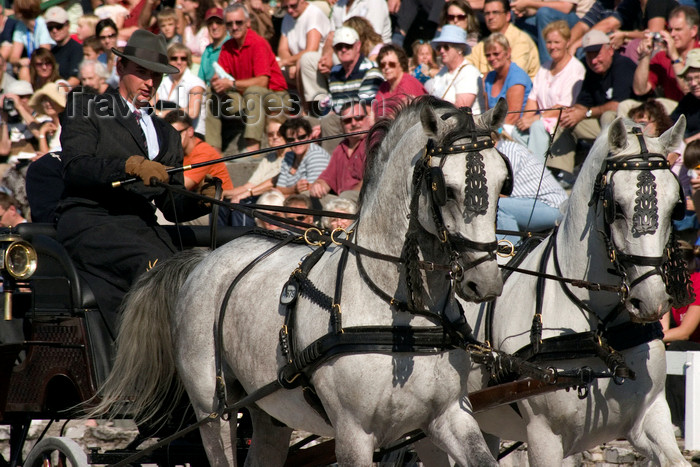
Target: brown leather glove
(208, 188)
(146, 169)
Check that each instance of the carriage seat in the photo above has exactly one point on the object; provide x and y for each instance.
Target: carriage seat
(56, 276)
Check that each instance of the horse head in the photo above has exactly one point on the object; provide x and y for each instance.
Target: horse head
(464, 176)
(640, 197)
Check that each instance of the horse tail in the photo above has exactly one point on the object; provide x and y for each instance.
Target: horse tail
(143, 383)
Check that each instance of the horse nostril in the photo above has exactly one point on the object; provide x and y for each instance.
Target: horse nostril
(636, 303)
(472, 286)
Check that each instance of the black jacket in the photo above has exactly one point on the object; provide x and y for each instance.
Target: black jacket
(99, 134)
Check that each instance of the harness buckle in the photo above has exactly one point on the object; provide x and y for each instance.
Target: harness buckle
(310, 242)
(443, 236)
(507, 243)
(335, 231)
(428, 266)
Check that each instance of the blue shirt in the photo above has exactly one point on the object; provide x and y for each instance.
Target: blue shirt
(516, 75)
(34, 39)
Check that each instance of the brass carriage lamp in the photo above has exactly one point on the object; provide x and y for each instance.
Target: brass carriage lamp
(19, 262)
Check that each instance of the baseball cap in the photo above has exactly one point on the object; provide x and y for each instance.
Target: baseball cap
(345, 35)
(692, 60)
(56, 14)
(594, 40)
(214, 12)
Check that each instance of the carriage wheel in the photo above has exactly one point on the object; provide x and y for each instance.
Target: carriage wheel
(63, 452)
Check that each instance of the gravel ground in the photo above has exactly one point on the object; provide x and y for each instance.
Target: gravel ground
(107, 436)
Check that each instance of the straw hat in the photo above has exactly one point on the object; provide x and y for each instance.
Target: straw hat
(50, 90)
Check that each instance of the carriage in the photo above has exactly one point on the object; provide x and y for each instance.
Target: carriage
(62, 319)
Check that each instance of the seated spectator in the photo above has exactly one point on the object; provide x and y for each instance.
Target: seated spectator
(342, 205)
(258, 87)
(167, 25)
(264, 177)
(94, 74)
(556, 85)
(299, 202)
(218, 35)
(347, 165)
(303, 163)
(48, 102)
(507, 80)
(197, 151)
(67, 51)
(668, 56)
(377, 13)
(608, 81)
(399, 85)
(92, 50)
(43, 69)
(690, 103)
(355, 78)
(7, 30)
(86, 26)
(184, 88)
(681, 333)
(460, 13)
(371, 41)
(304, 29)
(269, 198)
(533, 16)
(523, 49)
(423, 62)
(534, 203)
(653, 118)
(11, 216)
(624, 23)
(261, 18)
(458, 81)
(107, 33)
(19, 120)
(24, 43)
(192, 26)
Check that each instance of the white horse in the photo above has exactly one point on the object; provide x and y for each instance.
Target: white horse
(636, 230)
(371, 398)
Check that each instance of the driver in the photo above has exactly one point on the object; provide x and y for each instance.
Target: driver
(111, 233)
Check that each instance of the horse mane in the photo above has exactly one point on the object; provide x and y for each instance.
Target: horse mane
(383, 137)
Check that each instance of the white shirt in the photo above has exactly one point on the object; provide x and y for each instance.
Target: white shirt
(374, 11)
(465, 79)
(181, 95)
(296, 29)
(149, 130)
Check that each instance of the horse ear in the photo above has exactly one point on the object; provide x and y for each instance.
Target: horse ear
(429, 121)
(617, 135)
(494, 118)
(672, 137)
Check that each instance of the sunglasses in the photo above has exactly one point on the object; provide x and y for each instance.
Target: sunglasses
(440, 47)
(109, 36)
(54, 26)
(339, 47)
(238, 23)
(178, 59)
(456, 17)
(388, 64)
(357, 118)
(292, 6)
(42, 64)
(299, 218)
(291, 139)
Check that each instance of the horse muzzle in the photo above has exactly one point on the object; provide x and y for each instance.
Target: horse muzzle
(480, 283)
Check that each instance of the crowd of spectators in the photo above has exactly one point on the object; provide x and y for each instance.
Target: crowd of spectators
(259, 73)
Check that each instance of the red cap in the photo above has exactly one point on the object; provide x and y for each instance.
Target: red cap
(214, 13)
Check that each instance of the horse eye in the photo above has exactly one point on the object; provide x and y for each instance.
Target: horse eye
(618, 212)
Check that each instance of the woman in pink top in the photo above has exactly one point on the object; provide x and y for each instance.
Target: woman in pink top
(556, 84)
(399, 85)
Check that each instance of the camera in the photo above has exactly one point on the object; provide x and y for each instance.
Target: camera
(656, 37)
(8, 105)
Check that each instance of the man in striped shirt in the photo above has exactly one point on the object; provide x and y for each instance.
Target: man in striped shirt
(356, 78)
